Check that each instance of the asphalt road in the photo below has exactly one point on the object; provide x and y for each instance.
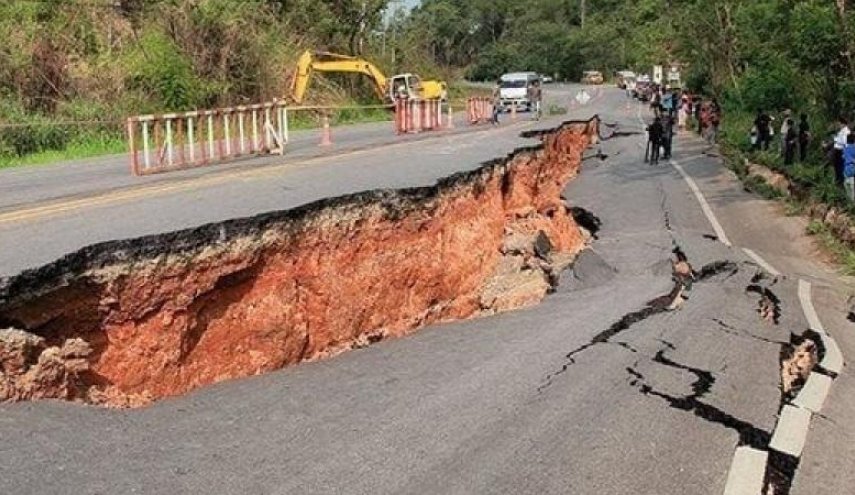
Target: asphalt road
(585, 393)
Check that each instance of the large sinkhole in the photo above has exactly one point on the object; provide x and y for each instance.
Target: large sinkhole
(127, 322)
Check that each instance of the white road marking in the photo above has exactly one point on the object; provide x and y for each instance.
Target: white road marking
(833, 360)
(747, 472)
(813, 394)
(719, 231)
(791, 431)
(763, 263)
(807, 307)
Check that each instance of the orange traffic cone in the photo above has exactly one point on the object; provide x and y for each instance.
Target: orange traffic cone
(326, 138)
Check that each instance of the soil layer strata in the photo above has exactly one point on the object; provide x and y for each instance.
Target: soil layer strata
(126, 322)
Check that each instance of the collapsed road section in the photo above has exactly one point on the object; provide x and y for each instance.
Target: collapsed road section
(127, 322)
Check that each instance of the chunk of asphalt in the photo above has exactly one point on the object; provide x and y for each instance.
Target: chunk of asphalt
(590, 270)
(542, 246)
(791, 431)
(747, 471)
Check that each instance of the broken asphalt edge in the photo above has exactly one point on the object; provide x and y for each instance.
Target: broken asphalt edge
(34, 282)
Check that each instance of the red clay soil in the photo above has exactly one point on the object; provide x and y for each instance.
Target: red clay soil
(193, 308)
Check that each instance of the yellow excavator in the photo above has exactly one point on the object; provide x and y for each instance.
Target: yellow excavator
(398, 86)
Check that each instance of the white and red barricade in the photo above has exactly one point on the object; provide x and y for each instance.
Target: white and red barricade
(414, 115)
(479, 110)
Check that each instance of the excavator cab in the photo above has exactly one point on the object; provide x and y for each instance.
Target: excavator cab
(405, 86)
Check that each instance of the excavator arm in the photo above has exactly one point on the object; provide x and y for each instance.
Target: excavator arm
(310, 62)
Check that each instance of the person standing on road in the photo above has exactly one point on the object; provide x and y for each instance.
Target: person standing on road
(790, 142)
(840, 141)
(667, 136)
(535, 96)
(804, 137)
(497, 102)
(654, 140)
(849, 167)
(714, 121)
(656, 102)
(683, 114)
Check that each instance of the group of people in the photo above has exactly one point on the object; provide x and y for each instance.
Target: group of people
(672, 109)
(794, 138)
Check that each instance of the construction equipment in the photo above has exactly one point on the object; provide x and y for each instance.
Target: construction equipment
(389, 89)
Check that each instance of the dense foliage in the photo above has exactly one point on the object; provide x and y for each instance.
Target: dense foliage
(87, 60)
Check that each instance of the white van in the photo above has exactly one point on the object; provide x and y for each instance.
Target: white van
(513, 89)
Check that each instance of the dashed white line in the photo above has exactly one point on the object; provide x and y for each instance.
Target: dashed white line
(747, 472)
(719, 231)
(763, 263)
(791, 431)
(812, 395)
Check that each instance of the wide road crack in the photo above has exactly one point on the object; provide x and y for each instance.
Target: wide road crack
(749, 434)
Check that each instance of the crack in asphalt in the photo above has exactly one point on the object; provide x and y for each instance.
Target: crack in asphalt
(749, 434)
(704, 379)
(731, 330)
(653, 307)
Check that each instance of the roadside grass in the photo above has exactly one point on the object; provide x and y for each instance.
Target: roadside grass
(46, 141)
(841, 253)
(76, 149)
(83, 143)
(813, 179)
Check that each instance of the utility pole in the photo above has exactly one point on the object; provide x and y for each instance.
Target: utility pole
(582, 8)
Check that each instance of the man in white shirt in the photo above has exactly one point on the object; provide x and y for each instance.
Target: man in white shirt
(839, 144)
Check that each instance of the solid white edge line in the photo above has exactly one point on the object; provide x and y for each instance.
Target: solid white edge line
(763, 263)
(747, 472)
(719, 231)
(833, 360)
(807, 307)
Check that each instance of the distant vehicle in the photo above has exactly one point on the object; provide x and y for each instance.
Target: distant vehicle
(592, 77)
(641, 87)
(513, 90)
(674, 80)
(545, 79)
(623, 78)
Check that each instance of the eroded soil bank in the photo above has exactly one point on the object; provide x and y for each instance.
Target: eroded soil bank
(126, 322)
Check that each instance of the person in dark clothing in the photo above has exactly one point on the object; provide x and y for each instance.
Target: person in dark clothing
(764, 130)
(667, 136)
(790, 142)
(804, 137)
(654, 139)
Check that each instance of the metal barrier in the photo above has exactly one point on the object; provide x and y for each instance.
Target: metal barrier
(417, 115)
(159, 143)
(479, 110)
